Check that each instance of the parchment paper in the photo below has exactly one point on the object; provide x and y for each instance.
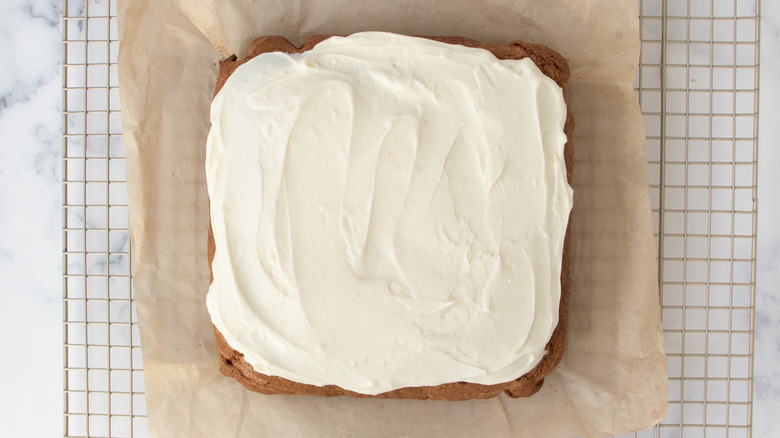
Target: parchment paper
(612, 378)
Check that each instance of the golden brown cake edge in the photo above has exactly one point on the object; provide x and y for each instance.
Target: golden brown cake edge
(232, 363)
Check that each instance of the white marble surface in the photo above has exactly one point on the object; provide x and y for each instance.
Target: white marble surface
(766, 368)
(30, 219)
(31, 214)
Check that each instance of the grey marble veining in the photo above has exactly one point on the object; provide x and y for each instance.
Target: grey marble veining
(766, 371)
(30, 219)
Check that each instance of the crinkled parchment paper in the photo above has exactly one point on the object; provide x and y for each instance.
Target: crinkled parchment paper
(613, 376)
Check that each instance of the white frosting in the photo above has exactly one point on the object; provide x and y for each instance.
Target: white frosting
(388, 212)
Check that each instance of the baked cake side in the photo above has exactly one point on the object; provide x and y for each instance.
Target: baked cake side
(232, 362)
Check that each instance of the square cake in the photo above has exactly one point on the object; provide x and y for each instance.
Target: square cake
(389, 216)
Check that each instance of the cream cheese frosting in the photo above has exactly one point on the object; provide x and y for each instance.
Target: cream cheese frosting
(388, 212)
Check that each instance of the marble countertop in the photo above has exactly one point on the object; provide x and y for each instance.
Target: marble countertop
(31, 334)
(766, 373)
(30, 219)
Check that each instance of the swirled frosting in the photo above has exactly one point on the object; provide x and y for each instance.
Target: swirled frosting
(388, 212)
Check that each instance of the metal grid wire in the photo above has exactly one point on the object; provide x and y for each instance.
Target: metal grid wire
(698, 89)
(103, 369)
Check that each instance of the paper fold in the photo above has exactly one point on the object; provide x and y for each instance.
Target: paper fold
(612, 379)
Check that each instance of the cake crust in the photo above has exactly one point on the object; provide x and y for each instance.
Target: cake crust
(232, 363)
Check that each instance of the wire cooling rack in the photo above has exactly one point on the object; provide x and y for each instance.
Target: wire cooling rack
(103, 368)
(697, 86)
